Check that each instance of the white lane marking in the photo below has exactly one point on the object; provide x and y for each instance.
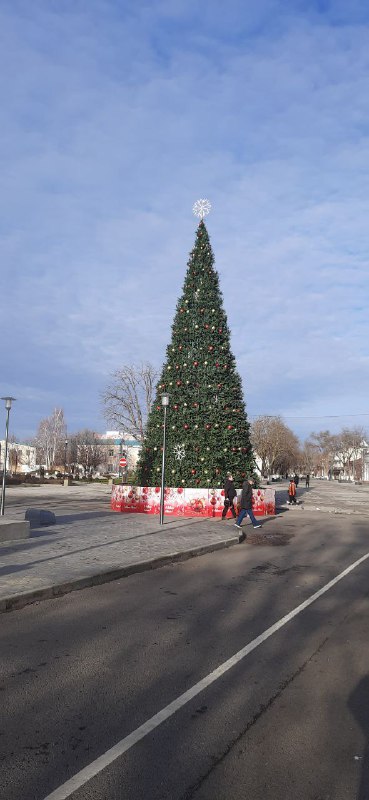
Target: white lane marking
(93, 769)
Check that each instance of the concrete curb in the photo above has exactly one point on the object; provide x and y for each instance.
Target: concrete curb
(17, 601)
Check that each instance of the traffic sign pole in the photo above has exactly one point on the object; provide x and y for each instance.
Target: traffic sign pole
(123, 466)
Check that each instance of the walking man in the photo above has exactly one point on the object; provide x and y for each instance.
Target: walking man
(307, 481)
(229, 496)
(246, 506)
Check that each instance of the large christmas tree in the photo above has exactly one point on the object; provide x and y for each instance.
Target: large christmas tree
(207, 429)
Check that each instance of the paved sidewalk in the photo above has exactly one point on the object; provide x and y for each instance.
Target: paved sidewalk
(84, 549)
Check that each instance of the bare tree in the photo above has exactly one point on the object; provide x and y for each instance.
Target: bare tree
(325, 444)
(349, 446)
(51, 432)
(86, 451)
(275, 444)
(310, 457)
(15, 455)
(128, 398)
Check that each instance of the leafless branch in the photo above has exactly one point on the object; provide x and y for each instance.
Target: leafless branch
(127, 399)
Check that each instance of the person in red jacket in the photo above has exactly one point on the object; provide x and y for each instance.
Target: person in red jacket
(292, 492)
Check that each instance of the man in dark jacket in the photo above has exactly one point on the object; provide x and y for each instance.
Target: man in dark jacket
(229, 496)
(246, 506)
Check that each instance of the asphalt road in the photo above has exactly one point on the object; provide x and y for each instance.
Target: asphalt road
(289, 720)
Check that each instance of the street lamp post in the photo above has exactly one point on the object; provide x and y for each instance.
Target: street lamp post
(65, 456)
(8, 405)
(165, 404)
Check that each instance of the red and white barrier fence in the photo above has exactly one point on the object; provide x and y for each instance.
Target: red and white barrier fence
(183, 502)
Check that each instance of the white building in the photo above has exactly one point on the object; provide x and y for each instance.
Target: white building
(21, 458)
(117, 444)
(354, 468)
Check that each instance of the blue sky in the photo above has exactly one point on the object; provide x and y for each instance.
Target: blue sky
(114, 118)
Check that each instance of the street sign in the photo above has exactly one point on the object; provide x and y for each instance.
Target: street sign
(122, 462)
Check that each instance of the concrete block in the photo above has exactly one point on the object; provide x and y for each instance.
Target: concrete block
(38, 517)
(13, 529)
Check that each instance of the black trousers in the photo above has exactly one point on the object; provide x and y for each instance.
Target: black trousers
(228, 505)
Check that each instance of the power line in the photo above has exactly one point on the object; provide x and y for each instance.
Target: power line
(320, 416)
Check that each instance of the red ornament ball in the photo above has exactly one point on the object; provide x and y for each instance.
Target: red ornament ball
(230, 427)
(179, 383)
(193, 471)
(196, 363)
(210, 348)
(208, 426)
(185, 426)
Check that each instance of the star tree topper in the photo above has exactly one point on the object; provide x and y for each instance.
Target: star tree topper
(201, 208)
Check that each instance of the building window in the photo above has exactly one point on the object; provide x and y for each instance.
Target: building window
(111, 452)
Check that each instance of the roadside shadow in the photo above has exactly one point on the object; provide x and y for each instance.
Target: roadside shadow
(68, 519)
(359, 706)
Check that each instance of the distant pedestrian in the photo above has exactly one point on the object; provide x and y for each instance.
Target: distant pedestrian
(296, 479)
(292, 492)
(307, 481)
(246, 506)
(230, 495)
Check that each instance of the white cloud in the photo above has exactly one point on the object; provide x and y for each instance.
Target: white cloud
(112, 125)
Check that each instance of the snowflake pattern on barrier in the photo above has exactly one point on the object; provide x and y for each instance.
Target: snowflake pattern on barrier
(201, 208)
(179, 451)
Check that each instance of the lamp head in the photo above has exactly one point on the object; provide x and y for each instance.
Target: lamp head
(165, 399)
(8, 402)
